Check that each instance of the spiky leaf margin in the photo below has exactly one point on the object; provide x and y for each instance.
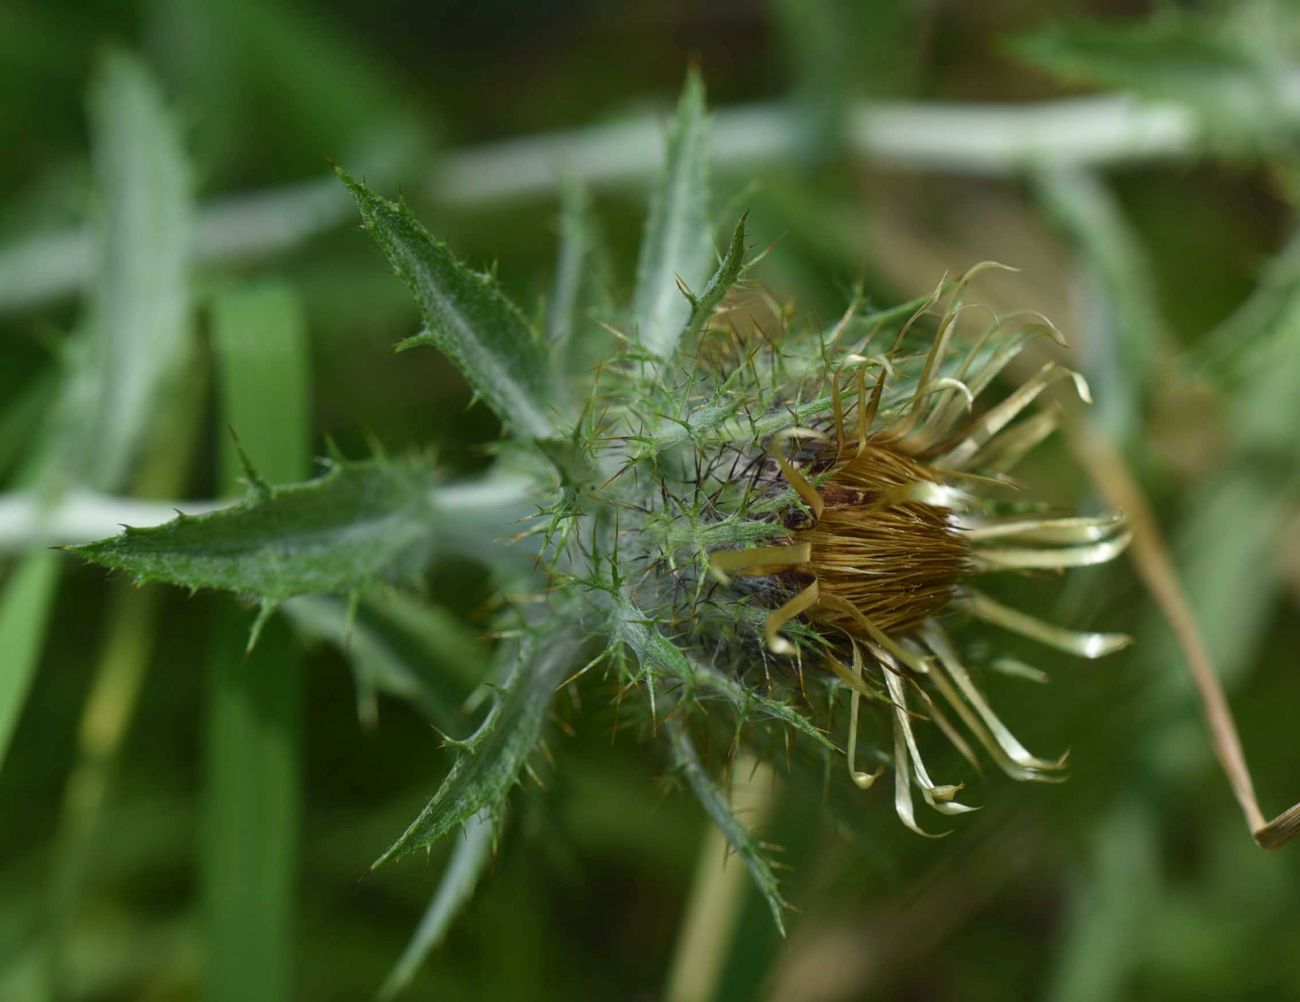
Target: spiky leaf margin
(466, 316)
(490, 760)
(360, 523)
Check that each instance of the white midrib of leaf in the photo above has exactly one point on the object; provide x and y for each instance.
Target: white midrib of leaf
(483, 360)
(466, 316)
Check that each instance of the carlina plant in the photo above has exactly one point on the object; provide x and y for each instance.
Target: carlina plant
(723, 507)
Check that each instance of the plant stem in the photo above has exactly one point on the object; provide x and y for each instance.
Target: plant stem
(28, 519)
(1103, 130)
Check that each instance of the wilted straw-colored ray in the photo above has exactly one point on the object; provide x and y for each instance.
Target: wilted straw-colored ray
(891, 525)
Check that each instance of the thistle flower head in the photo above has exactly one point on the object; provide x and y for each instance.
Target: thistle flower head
(894, 501)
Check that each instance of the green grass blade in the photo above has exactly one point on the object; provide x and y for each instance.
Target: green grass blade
(677, 242)
(25, 607)
(253, 777)
(468, 861)
(1120, 357)
(727, 275)
(252, 814)
(466, 316)
(359, 523)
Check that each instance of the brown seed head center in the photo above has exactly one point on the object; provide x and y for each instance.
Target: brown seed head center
(895, 561)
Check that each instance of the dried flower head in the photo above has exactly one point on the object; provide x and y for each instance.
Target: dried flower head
(899, 506)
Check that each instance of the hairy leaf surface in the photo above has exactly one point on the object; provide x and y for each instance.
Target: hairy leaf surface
(676, 243)
(466, 316)
(727, 275)
(491, 759)
(359, 523)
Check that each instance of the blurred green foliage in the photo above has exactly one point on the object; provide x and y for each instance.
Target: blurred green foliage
(1136, 879)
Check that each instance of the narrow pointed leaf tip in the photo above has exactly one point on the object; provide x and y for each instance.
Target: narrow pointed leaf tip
(466, 316)
(359, 523)
(677, 241)
(490, 761)
(728, 274)
(714, 801)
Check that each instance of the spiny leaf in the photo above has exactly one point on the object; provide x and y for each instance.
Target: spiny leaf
(727, 275)
(655, 652)
(359, 523)
(580, 291)
(466, 315)
(467, 863)
(714, 802)
(676, 243)
(490, 760)
(26, 601)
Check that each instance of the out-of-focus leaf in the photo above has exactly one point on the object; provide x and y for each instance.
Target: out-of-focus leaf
(1226, 551)
(676, 244)
(840, 51)
(575, 248)
(489, 762)
(136, 330)
(1189, 59)
(253, 780)
(252, 813)
(1229, 348)
(1128, 330)
(130, 637)
(259, 337)
(467, 863)
(466, 315)
(290, 68)
(1110, 907)
(24, 615)
(399, 645)
(714, 802)
(580, 290)
(361, 522)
